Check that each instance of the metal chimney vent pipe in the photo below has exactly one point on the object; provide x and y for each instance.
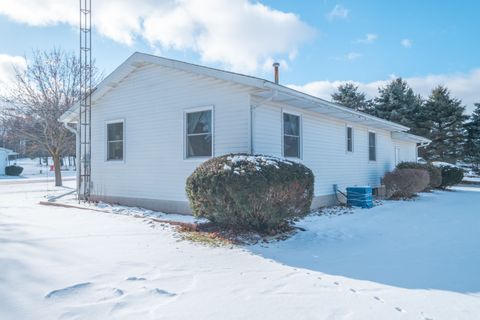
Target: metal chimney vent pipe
(275, 67)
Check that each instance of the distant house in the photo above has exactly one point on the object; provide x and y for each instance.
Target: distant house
(5, 155)
(154, 120)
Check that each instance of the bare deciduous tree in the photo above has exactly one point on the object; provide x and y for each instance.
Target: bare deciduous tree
(42, 92)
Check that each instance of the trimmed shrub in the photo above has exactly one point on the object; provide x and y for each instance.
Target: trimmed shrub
(405, 183)
(13, 170)
(434, 173)
(246, 192)
(451, 176)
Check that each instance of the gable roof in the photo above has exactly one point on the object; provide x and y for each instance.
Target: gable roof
(266, 89)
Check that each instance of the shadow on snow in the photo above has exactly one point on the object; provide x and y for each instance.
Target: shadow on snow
(430, 243)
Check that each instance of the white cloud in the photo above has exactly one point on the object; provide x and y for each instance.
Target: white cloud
(7, 69)
(243, 37)
(338, 12)
(463, 86)
(369, 38)
(353, 56)
(407, 43)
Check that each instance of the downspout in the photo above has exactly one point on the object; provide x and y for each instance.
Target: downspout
(273, 93)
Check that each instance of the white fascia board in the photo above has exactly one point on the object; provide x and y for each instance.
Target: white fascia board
(409, 137)
(378, 122)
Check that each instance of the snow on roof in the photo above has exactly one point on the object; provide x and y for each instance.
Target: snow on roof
(266, 89)
(443, 164)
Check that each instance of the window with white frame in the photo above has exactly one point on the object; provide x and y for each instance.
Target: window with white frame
(115, 140)
(372, 146)
(199, 142)
(349, 139)
(291, 135)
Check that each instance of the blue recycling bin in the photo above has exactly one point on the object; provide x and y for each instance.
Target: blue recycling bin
(360, 196)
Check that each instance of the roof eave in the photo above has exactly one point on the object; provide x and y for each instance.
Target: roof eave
(385, 123)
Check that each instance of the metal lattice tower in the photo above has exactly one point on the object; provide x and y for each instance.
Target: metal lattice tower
(84, 130)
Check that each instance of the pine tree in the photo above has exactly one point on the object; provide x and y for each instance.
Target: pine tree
(471, 147)
(348, 95)
(398, 103)
(445, 115)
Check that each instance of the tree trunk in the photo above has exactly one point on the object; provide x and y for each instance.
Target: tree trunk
(58, 173)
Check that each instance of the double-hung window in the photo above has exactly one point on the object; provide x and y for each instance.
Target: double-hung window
(115, 140)
(372, 146)
(291, 135)
(349, 139)
(199, 142)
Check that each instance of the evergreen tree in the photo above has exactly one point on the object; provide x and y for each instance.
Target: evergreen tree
(445, 115)
(398, 103)
(348, 95)
(471, 147)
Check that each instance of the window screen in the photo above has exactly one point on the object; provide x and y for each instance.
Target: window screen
(349, 139)
(115, 141)
(199, 134)
(291, 135)
(372, 146)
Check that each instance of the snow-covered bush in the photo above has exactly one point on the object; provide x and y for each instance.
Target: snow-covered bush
(13, 170)
(451, 175)
(434, 173)
(247, 192)
(405, 183)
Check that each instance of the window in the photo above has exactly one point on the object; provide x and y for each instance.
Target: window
(115, 141)
(372, 146)
(199, 134)
(349, 139)
(291, 135)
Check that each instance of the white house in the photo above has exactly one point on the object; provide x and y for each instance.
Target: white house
(154, 120)
(4, 158)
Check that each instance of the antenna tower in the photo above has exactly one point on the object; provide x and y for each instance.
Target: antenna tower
(84, 130)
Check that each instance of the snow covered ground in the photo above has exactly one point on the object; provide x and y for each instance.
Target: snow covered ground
(402, 260)
(474, 179)
(33, 170)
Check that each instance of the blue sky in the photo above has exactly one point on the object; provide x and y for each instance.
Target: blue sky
(320, 43)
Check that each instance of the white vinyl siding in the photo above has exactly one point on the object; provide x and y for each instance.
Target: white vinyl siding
(323, 148)
(153, 101)
(407, 151)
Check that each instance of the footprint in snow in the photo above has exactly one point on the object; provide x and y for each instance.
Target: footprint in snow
(353, 290)
(399, 309)
(162, 292)
(378, 298)
(336, 283)
(68, 291)
(85, 292)
(136, 279)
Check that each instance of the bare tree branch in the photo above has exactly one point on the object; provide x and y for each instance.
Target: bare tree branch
(42, 92)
